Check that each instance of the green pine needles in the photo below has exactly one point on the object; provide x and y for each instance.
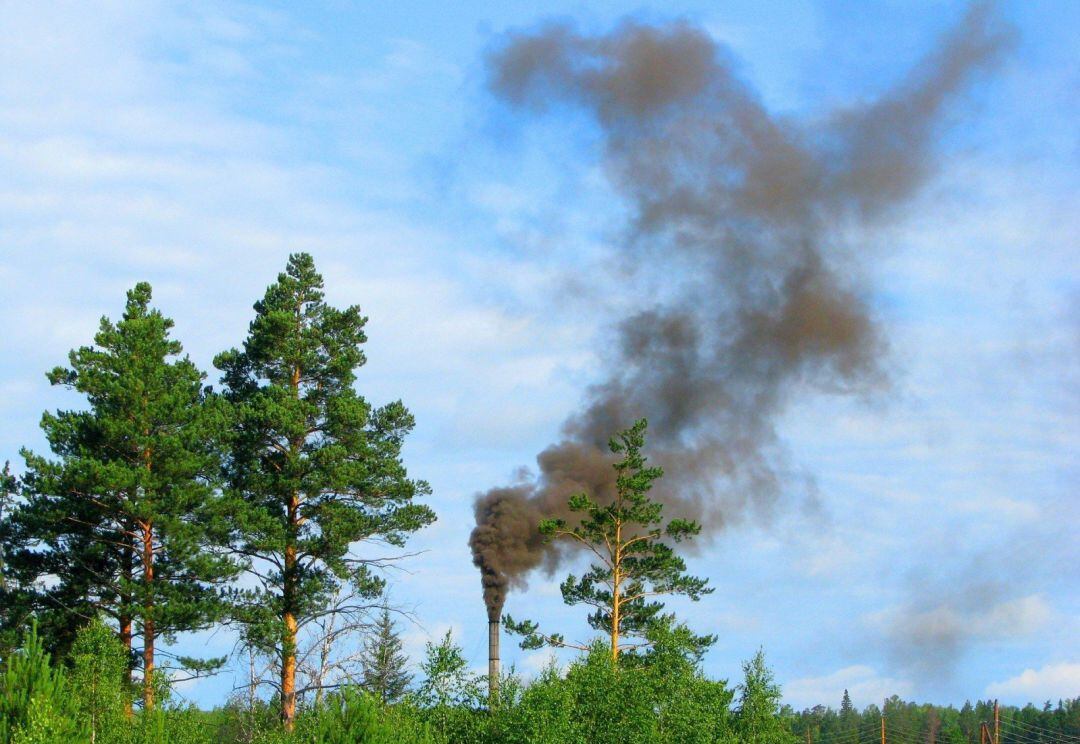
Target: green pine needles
(385, 665)
(123, 518)
(313, 469)
(637, 562)
(36, 702)
(160, 492)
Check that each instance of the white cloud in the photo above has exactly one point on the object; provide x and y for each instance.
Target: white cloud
(863, 684)
(1050, 682)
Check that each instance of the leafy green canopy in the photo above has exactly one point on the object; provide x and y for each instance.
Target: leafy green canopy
(98, 662)
(757, 719)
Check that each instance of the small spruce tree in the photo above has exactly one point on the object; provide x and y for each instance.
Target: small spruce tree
(849, 717)
(385, 673)
(846, 708)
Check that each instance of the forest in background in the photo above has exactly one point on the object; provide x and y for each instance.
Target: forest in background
(274, 504)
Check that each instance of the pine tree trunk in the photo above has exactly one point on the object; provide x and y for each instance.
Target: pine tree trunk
(288, 590)
(616, 581)
(127, 558)
(288, 652)
(288, 672)
(288, 598)
(148, 615)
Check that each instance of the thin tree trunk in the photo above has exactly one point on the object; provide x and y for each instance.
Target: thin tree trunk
(288, 599)
(125, 640)
(324, 662)
(288, 589)
(252, 680)
(616, 580)
(126, 558)
(148, 615)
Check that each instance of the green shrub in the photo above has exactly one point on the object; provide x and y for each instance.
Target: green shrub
(98, 663)
(36, 706)
(169, 725)
(352, 716)
(660, 696)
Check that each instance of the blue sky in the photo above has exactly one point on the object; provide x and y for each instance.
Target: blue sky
(195, 145)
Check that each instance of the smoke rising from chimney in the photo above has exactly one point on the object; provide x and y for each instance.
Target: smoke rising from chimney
(747, 212)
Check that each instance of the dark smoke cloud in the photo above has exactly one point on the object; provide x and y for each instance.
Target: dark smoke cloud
(1000, 593)
(929, 634)
(746, 212)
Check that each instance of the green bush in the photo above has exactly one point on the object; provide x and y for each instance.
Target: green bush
(98, 663)
(36, 705)
(660, 696)
(168, 725)
(352, 716)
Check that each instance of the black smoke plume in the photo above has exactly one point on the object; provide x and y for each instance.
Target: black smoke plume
(748, 213)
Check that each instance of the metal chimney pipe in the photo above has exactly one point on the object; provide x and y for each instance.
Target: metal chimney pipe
(493, 659)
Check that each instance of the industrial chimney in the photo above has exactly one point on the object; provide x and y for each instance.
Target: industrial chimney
(493, 658)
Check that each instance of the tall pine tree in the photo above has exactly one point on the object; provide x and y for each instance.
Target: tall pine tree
(314, 468)
(124, 518)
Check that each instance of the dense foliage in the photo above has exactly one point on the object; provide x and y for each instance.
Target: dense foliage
(312, 467)
(121, 518)
(159, 491)
(657, 697)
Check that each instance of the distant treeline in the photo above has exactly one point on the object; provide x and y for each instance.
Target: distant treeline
(913, 723)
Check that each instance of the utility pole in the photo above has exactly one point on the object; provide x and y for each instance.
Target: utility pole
(808, 740)
(883, 725)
